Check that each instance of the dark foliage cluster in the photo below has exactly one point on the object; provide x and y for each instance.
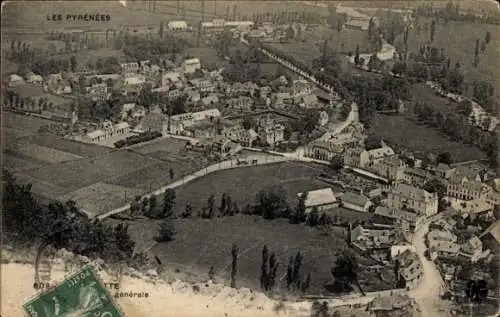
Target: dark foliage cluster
(26, 223)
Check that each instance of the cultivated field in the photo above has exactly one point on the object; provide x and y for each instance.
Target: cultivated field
(96, 177)
(202, 243)
(401, 132)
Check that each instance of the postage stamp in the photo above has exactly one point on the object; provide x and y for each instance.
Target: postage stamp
(80, 295)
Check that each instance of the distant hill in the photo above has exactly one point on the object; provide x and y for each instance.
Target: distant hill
(32, 15)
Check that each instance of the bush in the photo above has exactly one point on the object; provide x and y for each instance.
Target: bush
(134, 139)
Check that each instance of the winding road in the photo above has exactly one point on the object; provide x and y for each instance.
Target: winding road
(428, 293)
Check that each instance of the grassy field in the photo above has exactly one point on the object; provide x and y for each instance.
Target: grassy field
(202, 243)
(458, 39)
(401, 132)
(241, 183)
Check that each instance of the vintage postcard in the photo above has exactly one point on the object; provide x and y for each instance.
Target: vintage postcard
(241, 158)
(81, 294)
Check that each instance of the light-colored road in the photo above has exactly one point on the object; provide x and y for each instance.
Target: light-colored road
(427, 293)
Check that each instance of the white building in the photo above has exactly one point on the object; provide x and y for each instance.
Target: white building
(177, 25)
(190, 66)
(130, 67)
(320, 199)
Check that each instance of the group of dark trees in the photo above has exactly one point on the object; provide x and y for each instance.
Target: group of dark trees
(335, 19)
(456, 125)
(27, 223)
(138, 48)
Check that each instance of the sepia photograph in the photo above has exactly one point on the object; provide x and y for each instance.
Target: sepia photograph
(227, 158)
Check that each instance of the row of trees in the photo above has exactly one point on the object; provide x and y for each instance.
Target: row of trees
(452, 12)
(26, 223)
(286, 17)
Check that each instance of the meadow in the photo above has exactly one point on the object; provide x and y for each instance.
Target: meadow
(203, 243)
(403, 133)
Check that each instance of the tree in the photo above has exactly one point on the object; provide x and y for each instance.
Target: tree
(345, 271)
(444, 157)
(264, 268)
(271, 202)
(248, 123)
(337, 163)
(187, 211)
(356, 57)
(313, 218)
(171, 173)
(435, 186)
(144, 205)
(307, 283)
(211, 206)
(168, 202)
(300, 210)
(433, 30)
(152, 206)
(161, 30)
(297, 263)
(73, 63)
(234, 264)
(289, 273)
(487, 38)
(166, 231)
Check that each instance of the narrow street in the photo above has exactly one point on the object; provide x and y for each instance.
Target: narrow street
(427, 293)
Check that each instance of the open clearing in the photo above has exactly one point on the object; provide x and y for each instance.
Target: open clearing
(244, 183)
(403, 133)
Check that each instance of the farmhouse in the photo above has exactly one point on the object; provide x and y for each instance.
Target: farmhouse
(368, 238)
(189, 66)
(442, 244)
(177, 25)
(15, 80)
(240, 135)
(416, 176)
(272, 133)
(331, 145)
(403, 196)
(33, 78)
(410, 269)
(356, 202)
(320, 199)
(371, 157)
(408, 221)
(98, 92)
(170, 78)
(472, 250)
(108, 130)
(130, 67)
(390, 167)
(308, 101)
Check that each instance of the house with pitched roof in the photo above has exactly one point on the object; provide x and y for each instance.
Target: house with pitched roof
(410, 270)
(472, 250)
(416, 176)
(442, 243)
(320, 199)
(404, 196)
(408, 221)
(368, 158)
(356, 202)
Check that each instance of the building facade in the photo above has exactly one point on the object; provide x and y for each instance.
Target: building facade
(403, 196)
